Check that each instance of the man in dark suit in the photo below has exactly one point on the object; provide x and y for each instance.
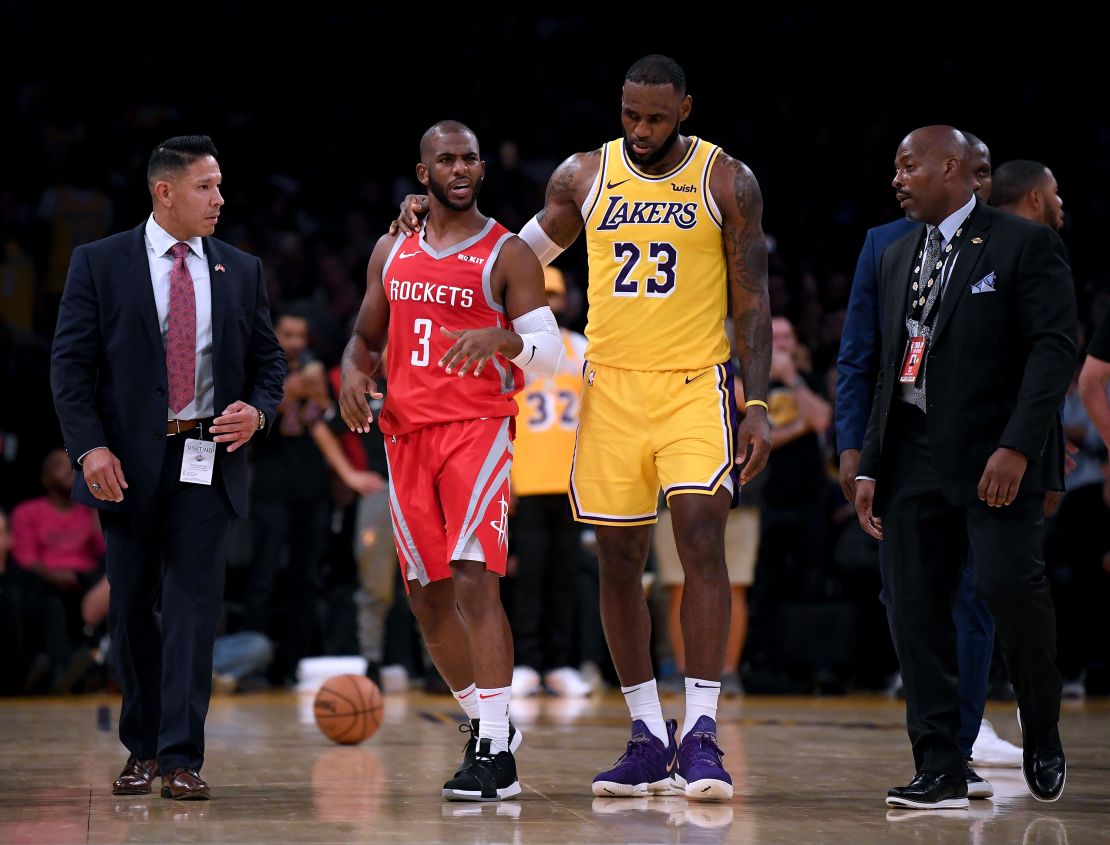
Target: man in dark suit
(856, 367)
(964, 440)
(160, 329)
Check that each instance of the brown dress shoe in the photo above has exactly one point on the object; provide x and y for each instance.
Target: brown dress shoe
(184, 785)
(136, 777)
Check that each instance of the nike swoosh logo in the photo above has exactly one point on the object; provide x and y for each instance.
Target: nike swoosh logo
(461, 697)
(610, 185)
(699, 375)
(408, 254)
(489, 696)
(670, 765)
(530, 357)
(707, 686)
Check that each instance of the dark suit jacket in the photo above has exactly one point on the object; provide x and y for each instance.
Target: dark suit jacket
(858, 360)
(108, 370)
(1000, 360)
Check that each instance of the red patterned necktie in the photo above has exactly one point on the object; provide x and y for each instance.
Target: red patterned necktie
(181, 340)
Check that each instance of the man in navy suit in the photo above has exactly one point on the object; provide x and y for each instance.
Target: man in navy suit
(857, 366)
(963, 441)
(164, 365)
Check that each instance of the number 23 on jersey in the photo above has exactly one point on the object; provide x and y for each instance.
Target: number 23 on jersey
(661, 254)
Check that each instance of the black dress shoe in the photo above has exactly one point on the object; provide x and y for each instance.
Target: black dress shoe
(931, 791)
(1045, 772)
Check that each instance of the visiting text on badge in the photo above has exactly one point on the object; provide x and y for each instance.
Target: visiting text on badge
(198, 461)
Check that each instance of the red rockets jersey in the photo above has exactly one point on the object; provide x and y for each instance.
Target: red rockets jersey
(429, 289)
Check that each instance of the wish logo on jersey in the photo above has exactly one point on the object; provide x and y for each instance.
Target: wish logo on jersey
(622, 212)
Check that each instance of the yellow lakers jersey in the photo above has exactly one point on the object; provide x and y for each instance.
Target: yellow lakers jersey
(546, 425)
(658, 283)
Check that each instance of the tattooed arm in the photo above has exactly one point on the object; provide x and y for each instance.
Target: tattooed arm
(561, 217)
(738, 196)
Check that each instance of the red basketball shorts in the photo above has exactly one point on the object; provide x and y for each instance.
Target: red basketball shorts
(449, 496)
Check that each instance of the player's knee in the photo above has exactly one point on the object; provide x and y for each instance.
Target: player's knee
(429, 605)
(622, 553)
(476, 592)
(701, 546)
(618, 571)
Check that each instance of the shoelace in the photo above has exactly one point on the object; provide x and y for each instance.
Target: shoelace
(467, 728)
(636, 744)
(708, 741)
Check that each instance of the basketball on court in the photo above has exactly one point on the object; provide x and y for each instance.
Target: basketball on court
(348, 709)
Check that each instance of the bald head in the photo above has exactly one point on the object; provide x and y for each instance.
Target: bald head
(934, 175)
(941, 141)
(440, 130)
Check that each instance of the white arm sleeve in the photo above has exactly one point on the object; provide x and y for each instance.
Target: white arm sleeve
(546, 249)
(543, 344)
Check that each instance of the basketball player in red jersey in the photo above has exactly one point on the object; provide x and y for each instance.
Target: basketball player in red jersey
(463, 310)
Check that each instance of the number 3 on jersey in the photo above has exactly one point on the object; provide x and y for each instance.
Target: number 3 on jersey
(665, 258)
(422, 328)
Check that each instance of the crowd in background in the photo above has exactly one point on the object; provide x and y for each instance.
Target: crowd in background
(311, 571)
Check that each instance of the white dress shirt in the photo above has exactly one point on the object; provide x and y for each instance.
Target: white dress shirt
(159, 242)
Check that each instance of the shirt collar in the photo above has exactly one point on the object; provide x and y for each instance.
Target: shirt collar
(163, 241)
(951, 223)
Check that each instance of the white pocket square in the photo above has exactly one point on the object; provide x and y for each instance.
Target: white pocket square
(985, 284)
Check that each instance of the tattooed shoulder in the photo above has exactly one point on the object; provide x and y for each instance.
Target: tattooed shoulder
(735, 187)
(574, 176)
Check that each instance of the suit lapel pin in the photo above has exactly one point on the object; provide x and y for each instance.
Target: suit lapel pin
(219, 268)
(976, 241)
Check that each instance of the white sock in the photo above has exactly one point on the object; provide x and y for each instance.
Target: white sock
(701, 700)
(643, 704)
(468, 700)
(493, 705)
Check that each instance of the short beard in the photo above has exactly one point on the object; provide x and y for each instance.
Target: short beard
(658, 155)
(444, 197)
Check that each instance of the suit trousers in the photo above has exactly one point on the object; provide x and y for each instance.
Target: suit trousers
(927, 541)
(165, 566)
(974, 647)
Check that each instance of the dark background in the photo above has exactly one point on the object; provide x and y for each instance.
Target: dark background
(317, 119)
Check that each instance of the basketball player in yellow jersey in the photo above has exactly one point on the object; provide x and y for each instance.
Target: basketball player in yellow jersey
(673, 229)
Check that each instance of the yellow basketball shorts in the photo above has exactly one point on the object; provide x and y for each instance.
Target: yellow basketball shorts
(641, 431)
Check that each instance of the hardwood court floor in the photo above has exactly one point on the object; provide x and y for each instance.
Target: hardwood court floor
(807, 770)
